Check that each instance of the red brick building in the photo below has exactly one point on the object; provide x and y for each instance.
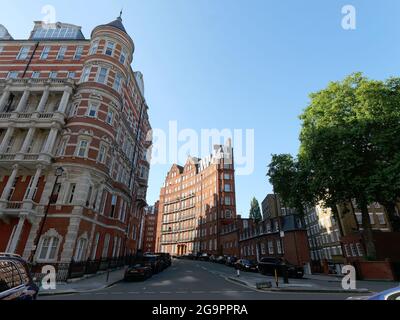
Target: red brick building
(196, 202)
(230, 236)
(280, 237)
(75, 103)
(150, 228)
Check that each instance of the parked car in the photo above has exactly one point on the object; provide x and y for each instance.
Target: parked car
(247, 265)
(220, 259)
(388, 295)
(166, 259)
(190, 256)
(138, 271)
(15, 279)
(267, 266)
(231, 261)
(154, 262)
(204, 257)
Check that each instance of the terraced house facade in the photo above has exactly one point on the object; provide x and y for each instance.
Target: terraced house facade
(76, 104)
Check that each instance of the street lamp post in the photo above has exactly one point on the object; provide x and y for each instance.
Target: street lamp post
(59, 172)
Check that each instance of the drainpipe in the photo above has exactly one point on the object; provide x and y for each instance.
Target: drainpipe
(30, 59)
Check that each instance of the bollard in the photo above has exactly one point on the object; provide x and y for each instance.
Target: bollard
(238, 273)
(276, 278)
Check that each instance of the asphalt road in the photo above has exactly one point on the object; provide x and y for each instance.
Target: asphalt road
(191, 280)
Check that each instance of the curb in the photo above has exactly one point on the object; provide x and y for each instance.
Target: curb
(71, 291)
(364, 291)
(245, 283)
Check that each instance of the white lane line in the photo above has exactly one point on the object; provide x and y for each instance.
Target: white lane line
(198, 292)
(101, 294)
(133, 292)
(181, 292)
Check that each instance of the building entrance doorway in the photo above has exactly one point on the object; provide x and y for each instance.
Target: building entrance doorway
(182, 250)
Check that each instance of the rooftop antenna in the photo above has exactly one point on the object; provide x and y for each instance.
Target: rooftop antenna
(120, 13)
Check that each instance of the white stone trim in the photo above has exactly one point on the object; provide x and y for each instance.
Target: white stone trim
(50, 233)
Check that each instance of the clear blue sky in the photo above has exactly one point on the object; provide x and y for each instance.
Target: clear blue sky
(236, 63)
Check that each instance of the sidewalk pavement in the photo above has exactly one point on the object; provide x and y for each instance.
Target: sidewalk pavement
(93, 283)
(321, 284)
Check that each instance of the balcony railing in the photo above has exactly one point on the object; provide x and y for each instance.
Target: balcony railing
(13, 205)
(25, 115)
(7, 157)
(23, 157)
(184, 218)
(31, 157)
(5, 115)
(29, 115)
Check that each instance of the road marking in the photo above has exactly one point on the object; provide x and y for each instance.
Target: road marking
(166, 292)
(181, 292)
(198, 292)
(133, 292)
(150, 292)
(101, 293)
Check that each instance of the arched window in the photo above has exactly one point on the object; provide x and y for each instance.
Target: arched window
(49, 246)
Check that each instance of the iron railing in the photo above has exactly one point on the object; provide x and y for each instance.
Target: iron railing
(75, 269)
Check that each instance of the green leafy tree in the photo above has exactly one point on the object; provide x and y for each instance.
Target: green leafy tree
(255, 211)
(290, 179)
(350, 138)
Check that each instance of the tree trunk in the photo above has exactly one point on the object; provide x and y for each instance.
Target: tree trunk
(338, 219)
(367, 232)
(393, 218)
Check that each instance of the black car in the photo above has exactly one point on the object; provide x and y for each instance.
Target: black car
(221, 260)
(15, 279)
(231, 261)
(204, 257)
(138, 271)
(154, 262)
(267, 266)
(189, 256)
(247, 265)
(166, 259)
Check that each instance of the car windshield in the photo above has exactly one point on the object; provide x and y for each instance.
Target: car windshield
(151, 259)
